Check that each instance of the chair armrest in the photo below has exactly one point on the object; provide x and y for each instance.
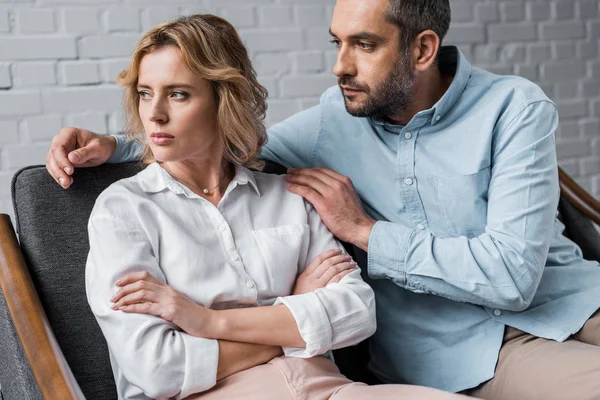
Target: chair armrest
(50, 369)
(578, 197)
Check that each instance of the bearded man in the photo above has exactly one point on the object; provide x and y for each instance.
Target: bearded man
(444, 178)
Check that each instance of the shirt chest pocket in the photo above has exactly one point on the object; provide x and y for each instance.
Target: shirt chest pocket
(463, 200)
(281, 249)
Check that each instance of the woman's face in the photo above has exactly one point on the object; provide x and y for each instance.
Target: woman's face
(177, 108)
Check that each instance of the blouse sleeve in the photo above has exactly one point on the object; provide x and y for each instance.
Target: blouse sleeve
(338, 315)
(151, 353)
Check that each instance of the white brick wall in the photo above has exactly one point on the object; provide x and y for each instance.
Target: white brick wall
(59, 60)
(555, 44)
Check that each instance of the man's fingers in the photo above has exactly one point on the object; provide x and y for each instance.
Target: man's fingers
(311, 195)
(320, 258)
(307, 180)
(83, 154)
(59, 154)
(339, 276)
(58, 174)
(325, 175)
(336, 269)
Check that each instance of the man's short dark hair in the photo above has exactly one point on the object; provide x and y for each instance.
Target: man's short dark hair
(416, 16)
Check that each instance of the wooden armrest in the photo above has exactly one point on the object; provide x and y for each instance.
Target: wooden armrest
(578, 197)
(50, 369)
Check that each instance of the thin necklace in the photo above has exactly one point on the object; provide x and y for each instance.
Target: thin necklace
(207, 190)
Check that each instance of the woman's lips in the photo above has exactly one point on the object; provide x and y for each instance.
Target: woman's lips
(161, 138)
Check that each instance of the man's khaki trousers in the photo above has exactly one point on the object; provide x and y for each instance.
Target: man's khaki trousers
(531, 368)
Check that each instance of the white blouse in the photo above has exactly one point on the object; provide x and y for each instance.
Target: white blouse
(246, 252)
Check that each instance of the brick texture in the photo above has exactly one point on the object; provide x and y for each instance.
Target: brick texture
(60, 60)
(554, 43)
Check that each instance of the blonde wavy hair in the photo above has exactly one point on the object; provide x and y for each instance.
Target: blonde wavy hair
(211, 48)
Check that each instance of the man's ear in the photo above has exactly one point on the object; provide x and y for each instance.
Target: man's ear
(425, 49)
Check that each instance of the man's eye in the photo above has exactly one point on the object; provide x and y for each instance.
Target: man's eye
(143, 94)
(366, 46)
(336, 42)
(179, 95)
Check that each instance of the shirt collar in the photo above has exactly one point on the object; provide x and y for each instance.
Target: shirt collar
(155, 179)
(451, 62)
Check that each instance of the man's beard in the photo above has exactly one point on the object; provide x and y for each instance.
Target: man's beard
(390, 97)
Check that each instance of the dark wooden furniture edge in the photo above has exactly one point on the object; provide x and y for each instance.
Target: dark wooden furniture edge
(578, 197)
(50, 369)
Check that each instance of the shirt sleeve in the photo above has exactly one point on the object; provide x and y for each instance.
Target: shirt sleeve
(339, 315)
(502, 267)
(292, 143)
(126, 151)
(151, 353)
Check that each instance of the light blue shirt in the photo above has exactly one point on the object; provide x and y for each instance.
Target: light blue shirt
(467, 239)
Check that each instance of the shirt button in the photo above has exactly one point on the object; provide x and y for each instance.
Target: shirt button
(236, 258)
(408, 181)
(420, 227)
(407, 135)
(497, 312)
(222, 228)
(249, 284)
(437, 118)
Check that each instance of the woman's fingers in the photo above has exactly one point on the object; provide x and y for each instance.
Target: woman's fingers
(139, 296)
(142, 308)
(339, 276)
(136, 276)
(129, 285)
(335, 270)
(318, 260)
(329, 263)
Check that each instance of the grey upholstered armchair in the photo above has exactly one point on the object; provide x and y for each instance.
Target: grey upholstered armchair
(50, 344)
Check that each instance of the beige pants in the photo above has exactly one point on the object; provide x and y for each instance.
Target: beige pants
(531, 368)
(317, 378)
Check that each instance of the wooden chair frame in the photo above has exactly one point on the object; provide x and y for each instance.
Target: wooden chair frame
(50, 369)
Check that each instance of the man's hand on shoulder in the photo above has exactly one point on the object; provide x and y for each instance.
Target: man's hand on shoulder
(75, 148)
(336, 201)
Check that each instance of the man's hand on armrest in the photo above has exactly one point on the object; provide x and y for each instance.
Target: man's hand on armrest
(74, 148)
(236, 356)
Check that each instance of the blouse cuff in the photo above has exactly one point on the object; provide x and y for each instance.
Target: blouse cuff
(313, 324)
(201, 363)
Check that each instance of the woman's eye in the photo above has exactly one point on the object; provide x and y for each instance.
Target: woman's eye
(143, 95)
(179, 95)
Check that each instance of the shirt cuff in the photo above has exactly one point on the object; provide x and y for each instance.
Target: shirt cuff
(388, 244)
(201, 363)
(126, 150)
(313, 324)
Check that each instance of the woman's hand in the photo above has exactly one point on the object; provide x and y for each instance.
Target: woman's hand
(328, 267)
(144, 294)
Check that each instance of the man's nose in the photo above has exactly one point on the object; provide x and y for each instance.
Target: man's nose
(345, 64)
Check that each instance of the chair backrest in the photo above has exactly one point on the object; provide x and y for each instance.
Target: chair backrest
(51, 224)
(52, 227)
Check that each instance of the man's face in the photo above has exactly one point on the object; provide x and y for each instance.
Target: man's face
(374, 74)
